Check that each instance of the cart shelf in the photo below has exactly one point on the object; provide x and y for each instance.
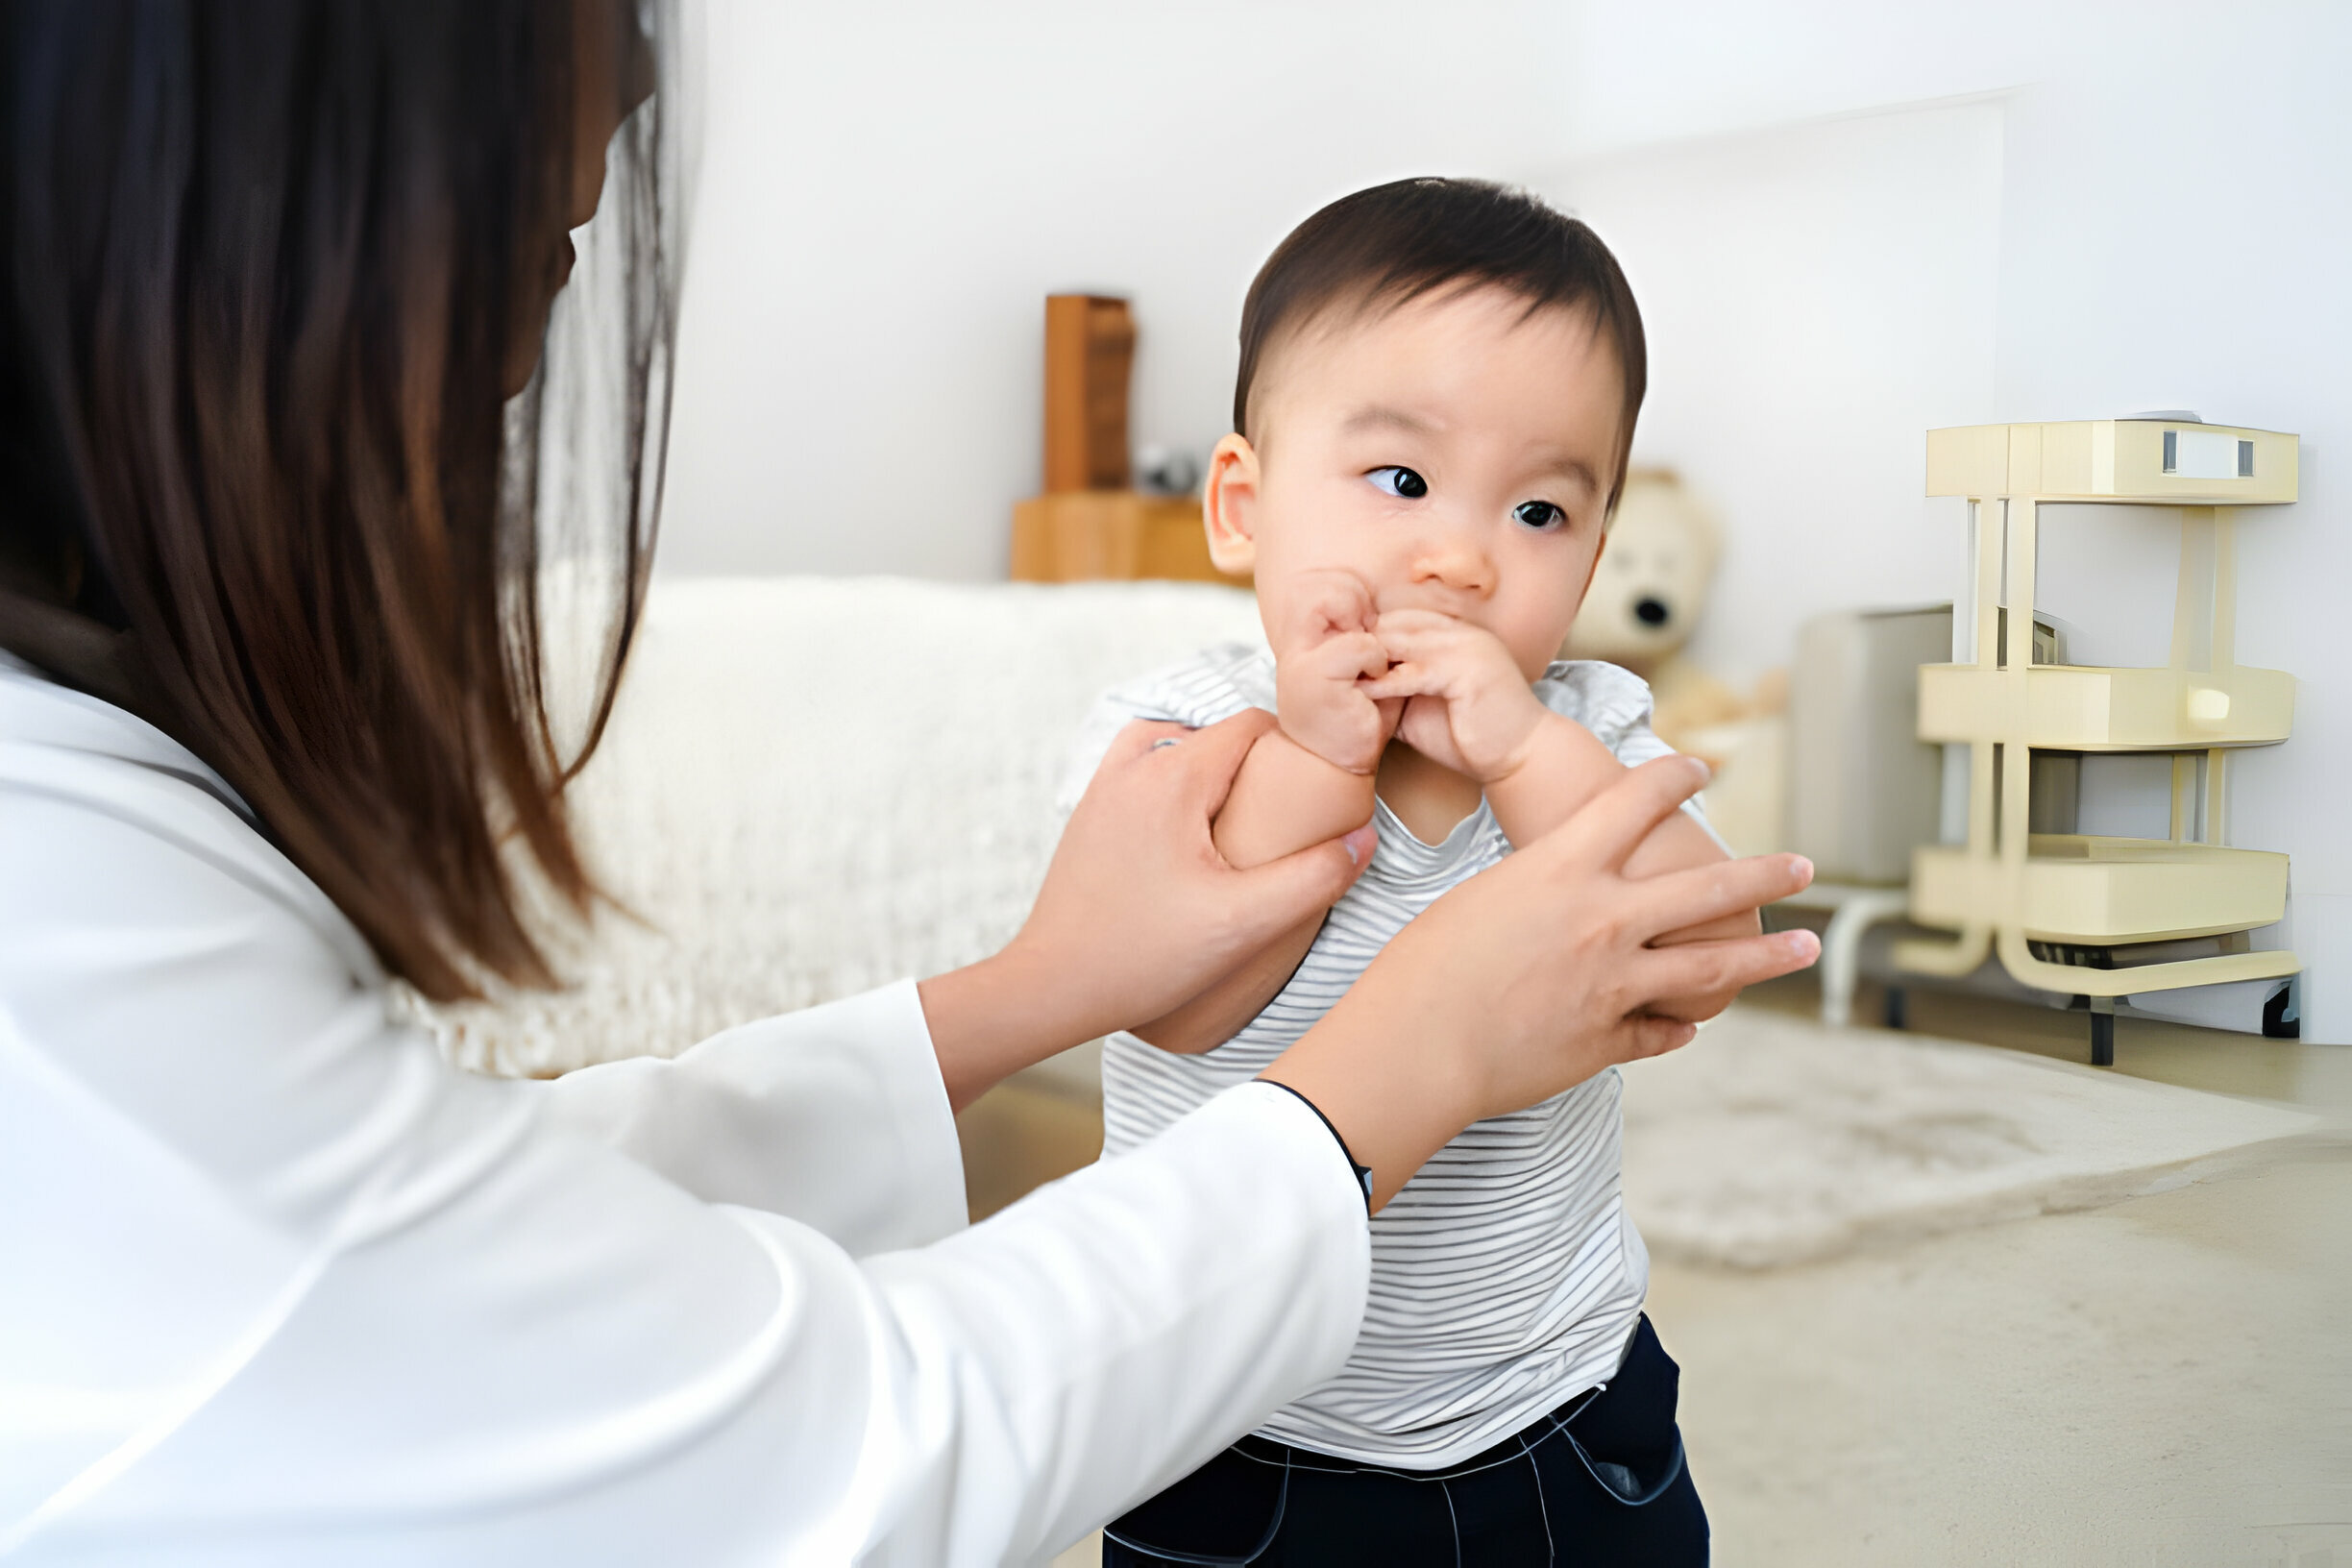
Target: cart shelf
(2149, 462)
(2104, 891)
(2074, 707)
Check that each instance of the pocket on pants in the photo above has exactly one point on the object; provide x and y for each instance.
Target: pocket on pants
(1222, 1515)
(1626, 1438)
(1616, 1484)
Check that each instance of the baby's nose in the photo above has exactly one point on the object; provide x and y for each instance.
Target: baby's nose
(1455, 561)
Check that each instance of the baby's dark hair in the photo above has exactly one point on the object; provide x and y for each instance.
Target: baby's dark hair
(1382, 247)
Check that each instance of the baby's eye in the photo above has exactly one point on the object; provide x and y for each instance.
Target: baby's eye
(1540, 515)
(1401, 483)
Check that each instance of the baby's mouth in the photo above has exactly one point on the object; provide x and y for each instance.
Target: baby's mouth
(1435, 604)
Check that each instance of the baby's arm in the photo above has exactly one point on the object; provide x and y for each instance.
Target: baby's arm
(1470, 708)
(1302, 784)
(1566, 765)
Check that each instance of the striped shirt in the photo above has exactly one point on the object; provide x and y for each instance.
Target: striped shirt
(1505, 1276)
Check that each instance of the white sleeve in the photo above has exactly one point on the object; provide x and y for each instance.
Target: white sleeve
(1108, 1334)
(283, 1288)
(835, 1116)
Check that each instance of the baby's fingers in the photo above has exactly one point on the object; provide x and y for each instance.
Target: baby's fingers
(1327, 602)
(1438, 668)
(1410, 633)
(1404, 680)
(1462, 650)
(1349, 657)
(1410, 622)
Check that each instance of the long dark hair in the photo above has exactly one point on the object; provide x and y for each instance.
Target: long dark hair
(268, 274)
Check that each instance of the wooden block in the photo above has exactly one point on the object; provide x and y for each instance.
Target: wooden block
(1090, 350)
(1111, 535)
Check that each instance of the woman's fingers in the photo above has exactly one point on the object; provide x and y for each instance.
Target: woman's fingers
(1652, 1034)
(1676, 900)
(1138, 911)
(1605, 833)
(1269, 900)
(1140, 737)
(1204, 761)
(1697, 968)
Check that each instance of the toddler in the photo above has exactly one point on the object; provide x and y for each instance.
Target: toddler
(1437, 389)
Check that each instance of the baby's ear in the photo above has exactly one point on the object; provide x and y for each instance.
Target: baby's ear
(1229, 506)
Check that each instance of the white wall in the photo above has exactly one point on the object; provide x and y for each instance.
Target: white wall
(1816, 297)
(1846, 221)
(889, 190)
(2148, 207)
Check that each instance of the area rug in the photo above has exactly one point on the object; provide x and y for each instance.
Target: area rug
(1772, 1140)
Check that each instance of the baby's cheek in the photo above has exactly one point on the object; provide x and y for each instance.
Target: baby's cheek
(1537, 638)
(1276, 618)
(1530, 640)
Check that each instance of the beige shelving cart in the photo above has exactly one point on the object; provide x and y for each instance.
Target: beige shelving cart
(2067, 912)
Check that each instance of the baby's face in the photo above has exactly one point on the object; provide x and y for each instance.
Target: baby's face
(1455, 453)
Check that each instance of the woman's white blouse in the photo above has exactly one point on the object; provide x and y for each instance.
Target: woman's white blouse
(276, 1285)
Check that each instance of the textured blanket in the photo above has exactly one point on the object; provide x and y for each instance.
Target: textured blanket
(813, 786)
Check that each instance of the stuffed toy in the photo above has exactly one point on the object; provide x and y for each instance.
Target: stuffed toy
(1647, 594)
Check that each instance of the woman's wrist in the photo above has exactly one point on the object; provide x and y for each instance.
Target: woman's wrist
(1356, 1167)
(1385, 1084)
(989, 1020)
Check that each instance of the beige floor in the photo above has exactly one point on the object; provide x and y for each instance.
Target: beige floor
(2166, 1380)
(2157, 1382)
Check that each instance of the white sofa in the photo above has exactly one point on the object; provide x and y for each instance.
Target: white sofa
(811, 786)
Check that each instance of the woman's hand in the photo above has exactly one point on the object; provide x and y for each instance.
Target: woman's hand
(1533, 976)
(1138, 914)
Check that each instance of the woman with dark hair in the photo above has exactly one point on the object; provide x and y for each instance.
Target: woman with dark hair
(289, 444)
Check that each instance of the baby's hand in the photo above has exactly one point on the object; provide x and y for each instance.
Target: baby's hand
(1323, 654)
(1467, 705)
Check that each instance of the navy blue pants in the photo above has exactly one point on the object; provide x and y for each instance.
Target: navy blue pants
(1598, 1480)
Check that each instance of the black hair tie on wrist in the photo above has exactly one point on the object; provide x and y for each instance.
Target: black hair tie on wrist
(1364, 1173)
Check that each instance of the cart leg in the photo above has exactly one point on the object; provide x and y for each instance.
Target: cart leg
(2102, 1031)
(1840, 956)
(1841, 946)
